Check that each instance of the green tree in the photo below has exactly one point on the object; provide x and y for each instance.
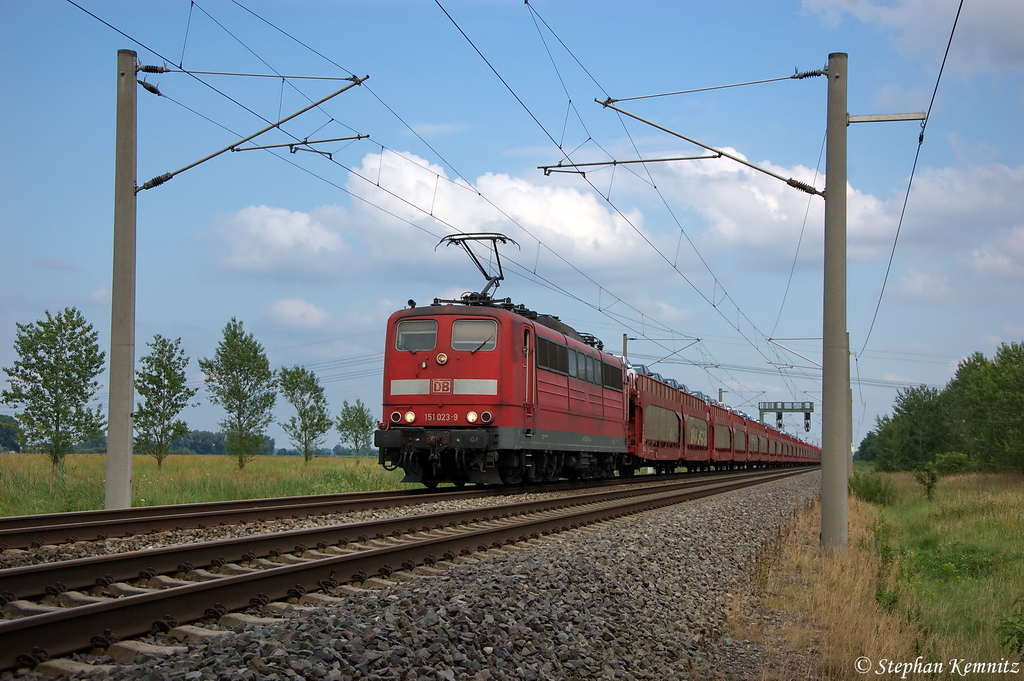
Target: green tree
(241, 381)
(978, 414)
(974, 423)
(302, 389)
(1005, 401)
(356, 425)
(202, 442)
(53, 380)
(160, 380)
(952, 463)
(985, 398)
(918, 429)
(10, 434)
(868, 450)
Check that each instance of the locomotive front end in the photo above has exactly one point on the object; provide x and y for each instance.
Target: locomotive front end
(444, 393)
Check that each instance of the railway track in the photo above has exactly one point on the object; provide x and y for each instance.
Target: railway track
(33, 531)
(74, 605)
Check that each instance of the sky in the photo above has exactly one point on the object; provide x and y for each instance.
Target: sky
(711, 268)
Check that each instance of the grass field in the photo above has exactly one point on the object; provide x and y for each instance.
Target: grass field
(30, 486)
(934, 579)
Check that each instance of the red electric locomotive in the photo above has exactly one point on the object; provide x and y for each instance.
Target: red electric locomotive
(481, 390)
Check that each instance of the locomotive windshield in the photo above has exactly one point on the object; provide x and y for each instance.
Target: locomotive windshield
(474, 334)
(416, 334)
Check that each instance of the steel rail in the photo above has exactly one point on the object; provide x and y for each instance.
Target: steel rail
(75, 629)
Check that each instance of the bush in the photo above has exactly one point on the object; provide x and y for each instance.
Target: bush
(927, 477)
(873, 488)
(1011, 629)
(951, 463)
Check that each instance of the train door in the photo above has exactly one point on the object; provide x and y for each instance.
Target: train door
(530, 374)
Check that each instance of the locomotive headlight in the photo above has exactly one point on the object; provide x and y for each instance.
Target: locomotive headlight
(442, 358)
(410, 416)
(396, 416)
(472, 417)
(486, 417)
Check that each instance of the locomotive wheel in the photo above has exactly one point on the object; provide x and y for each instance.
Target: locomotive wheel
(511, 476)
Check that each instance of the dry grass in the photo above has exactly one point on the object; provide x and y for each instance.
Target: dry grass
(919, 579)
(819, 613)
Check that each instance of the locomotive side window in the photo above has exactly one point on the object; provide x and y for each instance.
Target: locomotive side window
(560, 359)
(474, 335)
(416, 334)
(552, 356)
(560, 353)
(612, 376)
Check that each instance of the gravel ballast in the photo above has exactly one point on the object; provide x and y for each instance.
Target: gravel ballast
(645, 597)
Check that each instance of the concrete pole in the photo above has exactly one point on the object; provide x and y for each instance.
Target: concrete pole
(835, 407)
(118, 489)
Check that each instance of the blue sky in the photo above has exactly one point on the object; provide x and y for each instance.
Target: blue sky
(313, 252)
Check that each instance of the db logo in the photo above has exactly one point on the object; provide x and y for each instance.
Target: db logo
(440, 386)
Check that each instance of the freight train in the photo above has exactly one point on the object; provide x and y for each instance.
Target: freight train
(480, 390)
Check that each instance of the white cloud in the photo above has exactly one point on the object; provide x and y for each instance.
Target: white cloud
(892, 98)
(968, 200)
(760, 218)
(1014, 329)
(99, 296)
(973, 153)
(991, 341)
(746, 209)
(924, 287)
(567, 221)
(296, 313)
(665, 313)
(961, 222)
(279, 243)
(1003, 258)
(438, 129)
(987, 32)
(899, 378)
(967, 216)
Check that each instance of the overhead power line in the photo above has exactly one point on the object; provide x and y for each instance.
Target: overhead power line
(799, 75)
(910, 182)
(255, 75)
(713, 302)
